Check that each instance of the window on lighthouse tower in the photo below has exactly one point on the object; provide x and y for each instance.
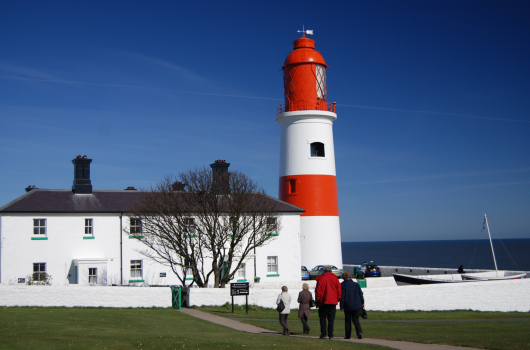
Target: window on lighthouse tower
(321, 82)
(317, 149)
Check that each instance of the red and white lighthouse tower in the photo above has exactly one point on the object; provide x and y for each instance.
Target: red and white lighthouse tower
(307, 156)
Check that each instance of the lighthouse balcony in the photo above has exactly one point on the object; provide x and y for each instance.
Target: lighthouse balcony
(306, 106)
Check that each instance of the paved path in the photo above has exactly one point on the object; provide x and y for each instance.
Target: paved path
(402, 345)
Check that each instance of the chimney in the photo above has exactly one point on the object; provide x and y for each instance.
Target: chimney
(130, 188)
(82, 184)
(220, 176)
(177, 186)
(31, 188)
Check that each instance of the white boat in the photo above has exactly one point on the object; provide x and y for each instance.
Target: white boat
(497, 275)
(403, 280)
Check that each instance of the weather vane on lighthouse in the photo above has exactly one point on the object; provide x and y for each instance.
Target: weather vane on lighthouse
(308, 32)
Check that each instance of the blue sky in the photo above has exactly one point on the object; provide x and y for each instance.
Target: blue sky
(433, 102)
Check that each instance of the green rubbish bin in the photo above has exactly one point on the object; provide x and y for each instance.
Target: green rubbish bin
(362, 283)
(257, 279)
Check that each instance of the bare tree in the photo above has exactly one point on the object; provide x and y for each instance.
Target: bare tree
(207, 230)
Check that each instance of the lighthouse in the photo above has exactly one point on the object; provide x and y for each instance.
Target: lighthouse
(307, 157)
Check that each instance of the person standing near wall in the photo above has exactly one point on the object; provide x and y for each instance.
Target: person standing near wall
(304, 310)
(352, 302)
(327, 295)
(284, 314)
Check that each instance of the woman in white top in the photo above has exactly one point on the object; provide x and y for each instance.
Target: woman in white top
(284, 314)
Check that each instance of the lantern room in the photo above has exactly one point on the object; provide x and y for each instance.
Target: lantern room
(304, 78)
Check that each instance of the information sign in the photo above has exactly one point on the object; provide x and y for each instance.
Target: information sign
(239, 288)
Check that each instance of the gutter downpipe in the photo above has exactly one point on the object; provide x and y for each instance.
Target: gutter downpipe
(121, 249)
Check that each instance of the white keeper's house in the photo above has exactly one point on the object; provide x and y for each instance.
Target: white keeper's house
(80, 236)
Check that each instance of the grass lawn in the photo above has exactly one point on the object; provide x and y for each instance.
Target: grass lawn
(102, 328)
(89, 328)
(486, 330)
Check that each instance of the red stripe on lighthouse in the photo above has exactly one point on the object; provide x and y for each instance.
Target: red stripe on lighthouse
(317, 194)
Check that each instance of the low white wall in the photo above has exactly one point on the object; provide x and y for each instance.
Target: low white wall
(381, 294)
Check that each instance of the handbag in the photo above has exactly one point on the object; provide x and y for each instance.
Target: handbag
(312, 303)
(281, 306)
(364, 315)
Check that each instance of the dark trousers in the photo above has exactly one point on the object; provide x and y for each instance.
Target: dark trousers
(304, 323)
(327, 312)
(349, 316)
(283, 322)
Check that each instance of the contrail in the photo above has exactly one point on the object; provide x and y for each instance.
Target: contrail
(260, 98)
(138, 87)
(432, 112)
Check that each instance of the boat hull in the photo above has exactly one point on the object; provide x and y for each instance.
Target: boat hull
(493, 278)
(403, 280)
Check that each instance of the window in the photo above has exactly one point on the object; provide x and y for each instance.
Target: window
(189, 226)
(188, 271)
(321, 82)
(292, 186)
(88, 227)
(241, 273)
(39, 271)
(136, 269)
(272, 226)
(39, 227)
(92, 275)
(272, 265)
(136, 227)
(317, 149)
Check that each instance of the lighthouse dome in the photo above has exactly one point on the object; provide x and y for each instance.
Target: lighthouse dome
(304, 52)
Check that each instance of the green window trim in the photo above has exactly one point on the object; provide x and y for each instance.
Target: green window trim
(39, 238)
(192, 236)
(272, 234)
(90, 237)
(189, 278)
(137, 237)
(136, 281)
(274, 275)
(243, 280)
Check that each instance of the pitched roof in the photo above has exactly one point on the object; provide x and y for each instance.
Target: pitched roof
(100, 201)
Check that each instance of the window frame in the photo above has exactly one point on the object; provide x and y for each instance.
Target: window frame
(190, 228)
(242, 273)
(93, 277)
(320, 74)
(272, 226)
(272, 266)
(89, 228)
(40, 230)
(135, 228)
(317, 149)
(41, 273)
(136, 265)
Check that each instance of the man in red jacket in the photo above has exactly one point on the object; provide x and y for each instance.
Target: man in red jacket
(327, 296)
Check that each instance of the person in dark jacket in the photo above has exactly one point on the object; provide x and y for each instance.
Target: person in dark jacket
(327, 296)
(304, 311)
(352, 302)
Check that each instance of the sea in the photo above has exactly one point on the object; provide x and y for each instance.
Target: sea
(511, 254)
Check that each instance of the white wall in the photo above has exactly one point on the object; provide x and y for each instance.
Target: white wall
(111, 251)
(513, 295)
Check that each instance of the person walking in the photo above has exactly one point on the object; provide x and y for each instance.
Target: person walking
(304, 310)
(327, 295)
(284, 314)
(352, 302)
